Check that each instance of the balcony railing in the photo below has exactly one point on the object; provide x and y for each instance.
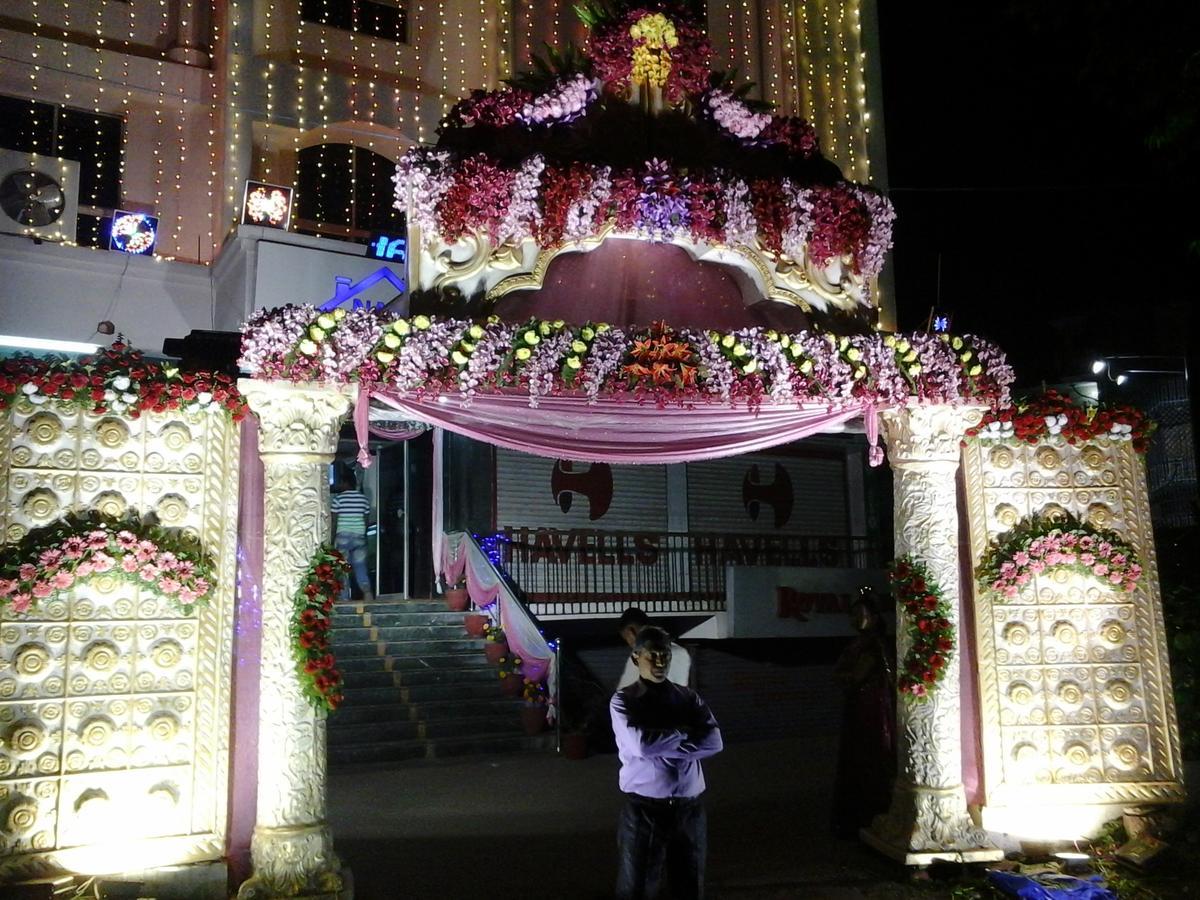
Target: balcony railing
(581, 572)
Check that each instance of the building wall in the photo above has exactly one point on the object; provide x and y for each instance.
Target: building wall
(214, 91)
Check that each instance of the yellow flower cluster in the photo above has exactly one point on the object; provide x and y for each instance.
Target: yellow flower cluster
(654, 36)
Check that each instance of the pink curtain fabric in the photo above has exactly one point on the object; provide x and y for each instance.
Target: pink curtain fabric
(247, 643)
(617, 432)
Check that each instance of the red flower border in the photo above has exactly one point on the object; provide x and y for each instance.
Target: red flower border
(315, 665)
(1029, 422)
(930, 630)
(117, 380)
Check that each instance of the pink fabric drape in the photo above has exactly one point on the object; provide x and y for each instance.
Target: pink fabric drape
(617, 432)
(247, 643)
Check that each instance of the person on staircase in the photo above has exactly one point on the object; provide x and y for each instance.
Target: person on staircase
(351, 511)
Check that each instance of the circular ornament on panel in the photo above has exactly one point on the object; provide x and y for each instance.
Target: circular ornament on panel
(192, 463)
(52, 686)
(91, 458)
(40, 505)
(144, 681)
(30, 660)
(1065, 633)
(75, 761)
(1055, 512)
(40, 841)
(1108, 477)
(84, 608)
(110, 503)
(21, 456)
(1006, 514)
(96, 732)
(47, 763)
(155, 462)
(54, 608)
(1020, 693)
(102, 656)
(65, 458)
(1070, 693)
(1118, 692)
(1034, 479)
(183, 704)
(1000, 457)
(111, 432)
(1024, 753)
(26, 737)
(1125, 755)
(172, 510)
(1092, 456)
(176, 436)
(119, 681)
(1077, 755)
(1016, 633)
(163, 727)
(44, 428)
(1100, 515)
(167, 653)
(1111, 631)
(1048, 457)
(80, 684)
(22, 816)
(122, 608)
(185, 631)
(8, 687)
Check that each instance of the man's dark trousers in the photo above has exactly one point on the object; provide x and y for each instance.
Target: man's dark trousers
(654, 836)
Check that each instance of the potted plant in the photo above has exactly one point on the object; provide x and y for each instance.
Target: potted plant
(511, 680)
(456, 597)
(533, 713)
(475, 622)
(496, 647)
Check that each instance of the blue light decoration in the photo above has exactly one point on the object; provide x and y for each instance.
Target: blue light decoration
(385, 246)
(492, 546)
(134, 233)
(941, 324)
(346, 290)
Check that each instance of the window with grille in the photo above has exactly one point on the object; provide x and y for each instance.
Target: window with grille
(90, 138)
(387, 19)
(344, 190)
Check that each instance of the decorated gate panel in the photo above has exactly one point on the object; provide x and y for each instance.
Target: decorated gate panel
(1075, 693)
(114, 704)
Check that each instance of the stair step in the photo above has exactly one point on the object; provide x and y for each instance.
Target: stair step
(357, 714)
(406, 633)
(469, 655)
(441, 710)
(395, 637)
(422, 694)
(391, 605)
(398, 730)
(403, 619)
(393, 751)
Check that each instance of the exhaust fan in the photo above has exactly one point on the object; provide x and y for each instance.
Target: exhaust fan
(39, 195)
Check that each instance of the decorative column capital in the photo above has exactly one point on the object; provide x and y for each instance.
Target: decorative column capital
(919, 434)
(299, 420)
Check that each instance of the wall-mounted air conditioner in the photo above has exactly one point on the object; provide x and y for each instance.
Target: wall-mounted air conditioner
(39, 195)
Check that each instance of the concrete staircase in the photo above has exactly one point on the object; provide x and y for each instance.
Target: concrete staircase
(417, 687)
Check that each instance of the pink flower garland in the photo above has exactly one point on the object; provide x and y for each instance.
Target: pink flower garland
(1040, 545)
(63, 554)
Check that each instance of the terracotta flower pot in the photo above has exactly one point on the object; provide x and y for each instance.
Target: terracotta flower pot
(511, 685)
(474, 623)
(533, 718)
(457, 599)
(495, 651)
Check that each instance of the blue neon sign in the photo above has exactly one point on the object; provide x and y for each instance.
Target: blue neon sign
(384, 246)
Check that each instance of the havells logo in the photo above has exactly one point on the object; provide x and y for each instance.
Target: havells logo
(384, 246)
(594, 483)
(777, 494)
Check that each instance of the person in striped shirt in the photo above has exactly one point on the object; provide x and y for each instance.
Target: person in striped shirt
(351, 510)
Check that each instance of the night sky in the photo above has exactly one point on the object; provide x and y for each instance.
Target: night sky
(1017, 151)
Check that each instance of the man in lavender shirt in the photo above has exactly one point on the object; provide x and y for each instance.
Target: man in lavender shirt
(663, 730)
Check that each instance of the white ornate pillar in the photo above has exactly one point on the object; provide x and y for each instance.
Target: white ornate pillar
(292, 846)
(928, 816)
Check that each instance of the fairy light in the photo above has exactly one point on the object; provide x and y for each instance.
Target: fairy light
(773, 67)
(419, 46)
(505, 52)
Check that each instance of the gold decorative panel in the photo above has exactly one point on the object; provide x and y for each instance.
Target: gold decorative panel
(114, 707)
(1075, 689)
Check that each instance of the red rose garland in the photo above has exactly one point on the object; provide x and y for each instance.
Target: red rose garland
(117, 380)
(1052, 414)
(315, 665)
(930, 631)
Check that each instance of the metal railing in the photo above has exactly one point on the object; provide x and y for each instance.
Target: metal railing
(687, 570)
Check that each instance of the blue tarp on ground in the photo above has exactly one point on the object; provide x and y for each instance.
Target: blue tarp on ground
(1051, 887)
